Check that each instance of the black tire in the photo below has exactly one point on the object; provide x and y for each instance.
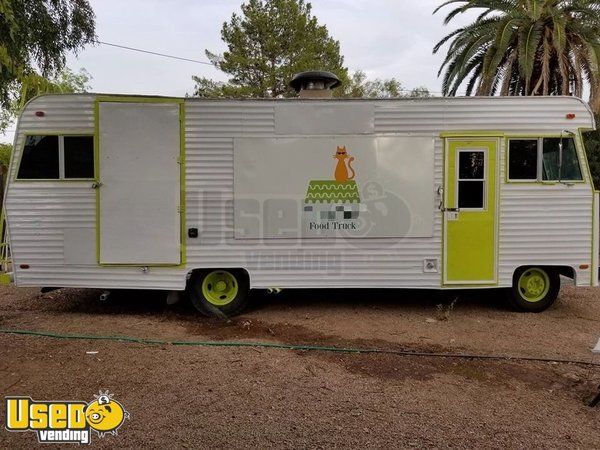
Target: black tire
(203, 304)
(518, 294)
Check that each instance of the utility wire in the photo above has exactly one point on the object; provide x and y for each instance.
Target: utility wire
(164, 55)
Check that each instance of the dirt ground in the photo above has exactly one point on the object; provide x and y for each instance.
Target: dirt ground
(240, 397)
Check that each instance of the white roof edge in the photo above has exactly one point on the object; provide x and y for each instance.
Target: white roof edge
(335, 99)
(523, 99)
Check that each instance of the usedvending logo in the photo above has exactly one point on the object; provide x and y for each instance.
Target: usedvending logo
(65, 421)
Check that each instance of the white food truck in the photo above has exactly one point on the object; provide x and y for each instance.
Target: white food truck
(214, 197)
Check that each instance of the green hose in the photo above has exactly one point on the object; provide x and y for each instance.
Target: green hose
(294, 347)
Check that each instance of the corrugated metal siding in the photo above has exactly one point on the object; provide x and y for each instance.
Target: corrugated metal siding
(39, 213)
(548, 224)
(289, 263)
(514, 114)
(536, 225)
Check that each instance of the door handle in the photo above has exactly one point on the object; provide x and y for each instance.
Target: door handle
(440, 192)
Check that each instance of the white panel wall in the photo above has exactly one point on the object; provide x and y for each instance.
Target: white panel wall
(210, 130)
(39, 214)
(539, 224)
(547, 224)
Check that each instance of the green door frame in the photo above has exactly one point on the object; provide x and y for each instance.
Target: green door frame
(470, 236)
(142, 99)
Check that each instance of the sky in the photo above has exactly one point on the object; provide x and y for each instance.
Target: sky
(384, 38)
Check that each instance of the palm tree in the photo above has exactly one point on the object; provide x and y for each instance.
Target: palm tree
(524, 47)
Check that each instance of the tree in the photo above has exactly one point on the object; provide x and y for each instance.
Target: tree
(592, 147)
(35, 36)
(66, 81)
(358, 86)
(5, 152)
(266, 45)
(518, 47)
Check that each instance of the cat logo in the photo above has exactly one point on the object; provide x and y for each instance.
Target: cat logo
(341, 171)
(65, 421)
(333, 206)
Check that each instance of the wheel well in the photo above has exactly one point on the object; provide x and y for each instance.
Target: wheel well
(210, 269)
(566, 271)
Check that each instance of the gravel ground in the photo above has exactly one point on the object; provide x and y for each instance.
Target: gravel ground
(217, 397)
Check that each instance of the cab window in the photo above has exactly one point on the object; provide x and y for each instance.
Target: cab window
(539, 160)
(522, 159)
(569, 170)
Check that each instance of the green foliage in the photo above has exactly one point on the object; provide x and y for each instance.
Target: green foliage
(359, 86)
(266, 45)
(66, 81)
(35, 36)
(5, 152)
(273, 40)
(518, 47)
(592, 147)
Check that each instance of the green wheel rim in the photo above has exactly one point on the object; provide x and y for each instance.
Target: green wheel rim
(533, 285)
(219, 287)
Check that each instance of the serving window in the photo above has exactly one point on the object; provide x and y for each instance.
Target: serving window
(57, 157)
(540, 159)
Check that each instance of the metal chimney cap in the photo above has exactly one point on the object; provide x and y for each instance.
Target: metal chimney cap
(302, 79)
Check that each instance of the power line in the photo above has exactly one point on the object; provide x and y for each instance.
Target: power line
(164, 55)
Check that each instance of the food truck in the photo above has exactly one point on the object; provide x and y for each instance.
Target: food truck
(215, 197)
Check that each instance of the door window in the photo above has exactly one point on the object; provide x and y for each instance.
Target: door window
(471, 179)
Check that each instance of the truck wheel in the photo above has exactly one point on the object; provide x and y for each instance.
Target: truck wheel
(534, 289)
(219, 293)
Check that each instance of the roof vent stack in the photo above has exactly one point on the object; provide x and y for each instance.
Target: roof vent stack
(315, 84)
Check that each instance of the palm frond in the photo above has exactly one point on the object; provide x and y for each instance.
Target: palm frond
(529, 38)
(523, 47)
